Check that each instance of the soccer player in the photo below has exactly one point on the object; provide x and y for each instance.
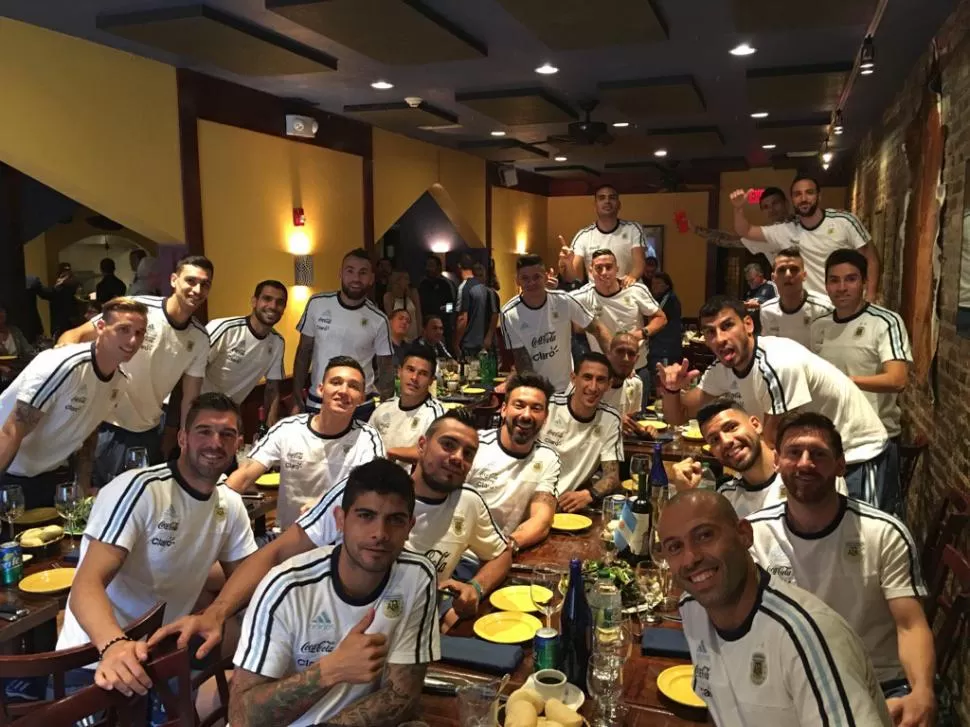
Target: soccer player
(343, 634)
(765, 652)
(790, 315)
(58, 401)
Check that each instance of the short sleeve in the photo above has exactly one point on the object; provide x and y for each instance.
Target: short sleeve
(419, 641)
(487, 541)
(509, 335)
(216, 343)
(577, 245)
(550, 476)
(777, 237)
(464, 299)
(39, 382)
(319, 522)
(635, 400)
(900, 575)
(265, 644)
(200, 357)
(239, 542)
(578, 313)
(894, 345)
(784, 385)
(382, 338)
(856, 235)
(646, 303)
(715, 380)
(368, 447)
(121, 512)
(611, 438)
(305, 324)
(276, 372)
(269, 450)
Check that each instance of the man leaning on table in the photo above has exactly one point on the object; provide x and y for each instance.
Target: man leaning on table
(450, 518)
(765, 653)
(151, 537)
(55, 405)
(587, 434)
(861, 561)
(343, 634)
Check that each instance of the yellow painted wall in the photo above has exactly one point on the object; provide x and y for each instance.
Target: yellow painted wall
(833, 197)
(519, 226)
(250, 184)
(96, 124)
(405, 168)
(685, 256)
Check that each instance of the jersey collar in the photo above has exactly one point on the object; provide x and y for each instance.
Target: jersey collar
(341, 592)
(94, 365)
(340, 302)
(608, 232)
(619, 290)
(851, 318)
(510, 453)
(574, 415)
(810, 229)
(416, 406)
(538, 307)
(183, 483)
(754, 355)
(824, 532)
(327, 436)
(797, 308)
(741, 631)
(745, 485)
(249, 325)
(171, 322)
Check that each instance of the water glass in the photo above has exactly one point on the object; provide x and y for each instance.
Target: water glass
(478, 704)
(650, 583)
(546, 580)
(136, 458)
(11, 504)
(604, 682)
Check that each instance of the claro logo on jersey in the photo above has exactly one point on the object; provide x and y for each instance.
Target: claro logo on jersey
(166, 529)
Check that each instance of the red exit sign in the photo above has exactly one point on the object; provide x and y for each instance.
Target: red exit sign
(754, 195)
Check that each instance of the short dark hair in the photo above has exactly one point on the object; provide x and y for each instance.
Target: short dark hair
(434, 256)
(811, 420)
(359, 253)
(598, 187)
(715, 304)
(603, 251)
(709, 411)
(792, 251)
(465, 262)
(462, 415)
(527, 261)
(593, 357)
(666, 278)
(805, 178)
(773, 192)
(399, 310)
(138, 253)
(344, 361)
(270, 284)
(651, 259)
(107, 265)
(197, 261)
(212, 401)
(381, 476)
(531, 380)
(421, 351)
(848, 256)
(432, 316)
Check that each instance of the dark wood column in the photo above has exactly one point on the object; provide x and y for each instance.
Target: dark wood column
(13, 272)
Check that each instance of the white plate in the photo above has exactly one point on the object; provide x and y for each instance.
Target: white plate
(573, 697)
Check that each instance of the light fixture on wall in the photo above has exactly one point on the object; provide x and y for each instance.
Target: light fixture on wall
(303, 270)
(742, 49)
(547, 69)
(759, 115)
(867, 57)
(827, 154)
(838, 126)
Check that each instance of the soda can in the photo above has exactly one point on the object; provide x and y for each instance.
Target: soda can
(545, 649)
(616, 503)
(11, 563)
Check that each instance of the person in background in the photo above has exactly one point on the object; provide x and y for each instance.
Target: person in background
(144, 282)
(433, 336)
(869, 344)
(626, 389)
(764, 652)
(92, 309)
(436, 294)
(62, 296)
(399, 323)
(175, 348)
(495, 307)
(666, 345)
(402, 420)
(790, 315)
(399, 295)
(476, 322)
(651, 266)
(245, 349)
(14, 343)
(759, 290)
(773, 203)
(31, 324)
(860, 561)
(371, 600)
(382, 280)
(110, 286)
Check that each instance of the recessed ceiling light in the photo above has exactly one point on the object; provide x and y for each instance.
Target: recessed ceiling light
(742, 50)
(620, 124)
(867, 71)
(759, 115)
(547, 69)
(827, 157)
(381, 85)
(498, 133)
(560, 158)
(768, 146)
(660, 153)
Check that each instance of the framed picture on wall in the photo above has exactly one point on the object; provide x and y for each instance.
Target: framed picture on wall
(654, 235)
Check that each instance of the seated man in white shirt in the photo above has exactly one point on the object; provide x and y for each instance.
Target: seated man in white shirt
(626, 388)
(775, 376)
(314, 450)
(152, 536)
(587, 434)
(450, 518)
(402, 420)
(765, 653)
(862, 562)
(515, 473)
(343, 634)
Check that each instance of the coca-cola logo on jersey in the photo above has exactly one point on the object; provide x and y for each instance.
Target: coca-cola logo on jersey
(544, 339)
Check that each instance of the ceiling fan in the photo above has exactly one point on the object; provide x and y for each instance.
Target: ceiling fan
(586, 132)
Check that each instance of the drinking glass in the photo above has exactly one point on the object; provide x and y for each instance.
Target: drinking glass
(11, 504)
(67, 499)
(608, 543)
(639, 467)
(604, 682)
(136, 458)
(650, 582)
(478, 704)
(616, 641)
(547, 579)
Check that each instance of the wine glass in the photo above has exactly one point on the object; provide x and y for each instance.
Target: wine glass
(604, 682)
(545, 590)
(136, 458)
(11, 504)
(650, 583)
(639, 467)
(67, 499)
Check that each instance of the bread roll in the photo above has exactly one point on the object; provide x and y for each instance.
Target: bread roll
(520, 713)
(530, 695)
(51, 532)
(559, 712)
(32, 542)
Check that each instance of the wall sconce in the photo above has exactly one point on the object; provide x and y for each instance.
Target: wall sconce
(303, 270)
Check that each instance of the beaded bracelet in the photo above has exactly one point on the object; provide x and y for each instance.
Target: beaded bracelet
(111, 643)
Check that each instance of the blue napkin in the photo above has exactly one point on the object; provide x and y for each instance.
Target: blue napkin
(670, 643)
(494, 658)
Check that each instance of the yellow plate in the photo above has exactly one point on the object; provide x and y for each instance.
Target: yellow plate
(676, 683)
(693, 435)
(37, 515)
(655, 423)
(48, 581)
(449, 405)
(507, 627)
(498, 379)
(8, 358)
(570, 521)
(517, 598)
(473, 390)
(629, 485)
(706, 448)
(270, 479)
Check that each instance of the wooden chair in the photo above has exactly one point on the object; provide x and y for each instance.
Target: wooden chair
(56, 664)
(952, 517)
(214, 667)
(909, 457)
(952, 603)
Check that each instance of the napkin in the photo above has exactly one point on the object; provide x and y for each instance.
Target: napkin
(670, 643)
(494, 658)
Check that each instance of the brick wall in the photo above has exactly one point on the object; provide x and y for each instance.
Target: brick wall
(942, 412)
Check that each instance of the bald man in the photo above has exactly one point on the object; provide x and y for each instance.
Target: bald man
(765, 652)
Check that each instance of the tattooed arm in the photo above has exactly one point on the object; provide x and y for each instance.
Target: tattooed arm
(271, 401)
(523, 362)
(85, 462)
(609, 482)
(19, 424)
(385, 377)
(258, 700)
(391, 703)
(542, 508)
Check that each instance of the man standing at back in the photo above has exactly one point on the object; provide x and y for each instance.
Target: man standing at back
(344, 323)
(176, 347)
(790, 315)
(476, 317)
(110, 286)
(623, 237)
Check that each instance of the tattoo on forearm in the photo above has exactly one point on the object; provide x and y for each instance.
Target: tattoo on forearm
(26, 416)
(272, 701)
(608, 483)
(385, 377)
(523, 362)
(388, 705)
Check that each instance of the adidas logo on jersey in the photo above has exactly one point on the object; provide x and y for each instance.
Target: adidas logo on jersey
(169, 513)
(321, 621)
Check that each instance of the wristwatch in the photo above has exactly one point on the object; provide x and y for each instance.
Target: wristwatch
(514, 545)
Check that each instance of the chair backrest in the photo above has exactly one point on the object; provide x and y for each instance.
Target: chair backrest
(909, 456)
(952, 516)
(169, 667)
(952, 603)
(117, 709)
(56, 663)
